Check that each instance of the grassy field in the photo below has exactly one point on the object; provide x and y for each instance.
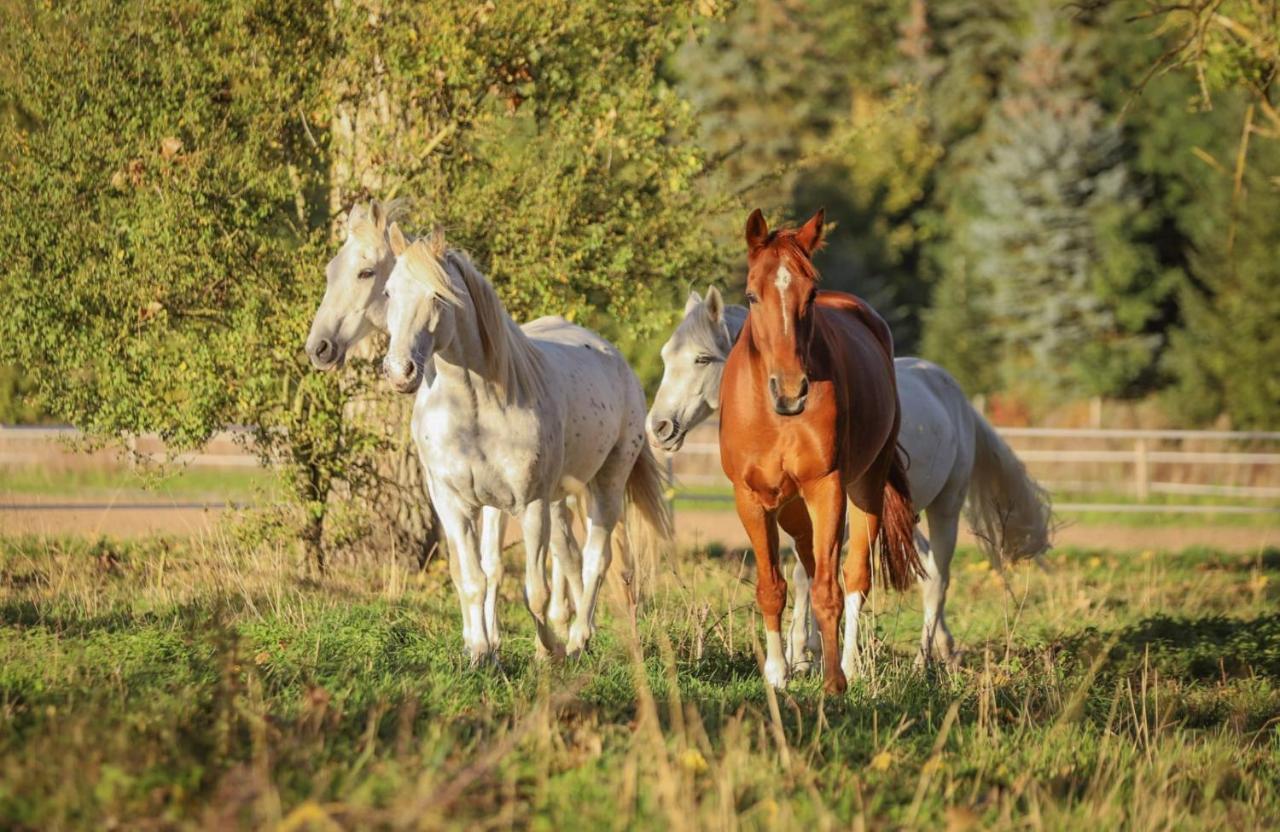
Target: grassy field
(172, 684)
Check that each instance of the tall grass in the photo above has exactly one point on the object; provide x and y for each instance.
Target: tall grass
(202, 684)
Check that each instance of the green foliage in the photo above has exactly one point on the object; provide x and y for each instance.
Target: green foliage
(168, 197)
(544, 140)
(1225, 358)
(15, 409)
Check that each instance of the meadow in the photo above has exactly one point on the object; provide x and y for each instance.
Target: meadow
(202, 683)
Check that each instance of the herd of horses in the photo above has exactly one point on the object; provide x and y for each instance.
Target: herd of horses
(822, 434)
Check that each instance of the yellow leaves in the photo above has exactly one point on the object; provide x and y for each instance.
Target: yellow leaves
(692, 761)
(883, 761)
(1095, 562)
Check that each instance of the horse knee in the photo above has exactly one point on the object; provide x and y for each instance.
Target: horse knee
(772, 598)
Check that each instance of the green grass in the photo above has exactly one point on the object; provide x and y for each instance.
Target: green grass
(213, 484)
(198, 684)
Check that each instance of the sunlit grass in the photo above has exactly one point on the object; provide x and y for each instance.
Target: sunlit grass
(123, 484)
(201, 682)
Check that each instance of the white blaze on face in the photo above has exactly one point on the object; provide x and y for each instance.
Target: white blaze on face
(782, 281)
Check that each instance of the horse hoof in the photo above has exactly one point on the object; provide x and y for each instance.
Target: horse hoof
(542, 652)
(835, 685)
(802, 666)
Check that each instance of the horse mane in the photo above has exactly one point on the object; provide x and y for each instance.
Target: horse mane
(512, 363)
(698, 328)
(362, 221)
(783, 241)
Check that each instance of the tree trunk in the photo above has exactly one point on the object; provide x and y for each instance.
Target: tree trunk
(398, 508)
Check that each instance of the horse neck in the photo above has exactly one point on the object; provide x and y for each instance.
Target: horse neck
(466, 362)
(462, 362)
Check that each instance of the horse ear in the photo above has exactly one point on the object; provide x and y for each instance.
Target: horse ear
(359, 213)
(398, 242)
(436, 242)
(757, 231)
(715, 305)
(693, 301)
(377, 215)
(810, 234)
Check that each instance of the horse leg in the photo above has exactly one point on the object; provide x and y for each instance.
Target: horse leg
(935, 638)
(460, 523)
(566, 568)
(536, 525)
(455, 575)
(493, 530)
(771, 587)
(605, 510)
(863, 529)
(825, 499)
(803, 644)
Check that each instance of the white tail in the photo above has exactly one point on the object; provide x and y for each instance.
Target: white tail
(649, 527)
(1010, 512)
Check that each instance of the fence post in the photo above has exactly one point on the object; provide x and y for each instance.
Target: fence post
(1141, 472)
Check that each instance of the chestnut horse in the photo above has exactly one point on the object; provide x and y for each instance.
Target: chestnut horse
(809, 415)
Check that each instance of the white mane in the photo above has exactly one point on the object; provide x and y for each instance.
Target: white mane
(511, 361)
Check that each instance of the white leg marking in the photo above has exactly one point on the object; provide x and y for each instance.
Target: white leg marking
(849, 656)
(775, 662)
(800, 634)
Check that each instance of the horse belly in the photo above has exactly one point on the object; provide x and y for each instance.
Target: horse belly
(928, 437)
(595, 404)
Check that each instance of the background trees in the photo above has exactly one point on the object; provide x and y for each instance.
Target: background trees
(1012, 184)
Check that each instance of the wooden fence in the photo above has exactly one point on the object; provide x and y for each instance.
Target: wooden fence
(1232, 472)
(1126, 470)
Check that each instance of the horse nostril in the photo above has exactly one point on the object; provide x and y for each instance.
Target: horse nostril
(774, 388)
(804, 388)
(663, 428)
(410, 369)
(323, 348)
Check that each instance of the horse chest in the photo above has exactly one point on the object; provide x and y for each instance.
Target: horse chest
(482, 458)
(775, 455)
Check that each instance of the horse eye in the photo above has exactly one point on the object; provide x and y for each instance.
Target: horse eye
(365, 274)
(751, 297)
(703, 359)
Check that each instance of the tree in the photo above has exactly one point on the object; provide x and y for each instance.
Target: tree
(168, 197)
(1053, 235)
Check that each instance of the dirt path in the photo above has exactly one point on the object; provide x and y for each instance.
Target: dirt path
(39, 515)
(705, 527)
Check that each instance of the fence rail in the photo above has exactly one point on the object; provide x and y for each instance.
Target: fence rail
(1240, 470)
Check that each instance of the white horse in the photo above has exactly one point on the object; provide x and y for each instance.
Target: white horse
(517, 419)
(355, 306)
(953, 452)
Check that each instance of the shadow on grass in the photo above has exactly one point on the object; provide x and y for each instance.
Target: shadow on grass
(1203, 649)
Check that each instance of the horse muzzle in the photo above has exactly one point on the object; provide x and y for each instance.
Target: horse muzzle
(325, 354)
(665, 434)
(785, 405)
(405, 377)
